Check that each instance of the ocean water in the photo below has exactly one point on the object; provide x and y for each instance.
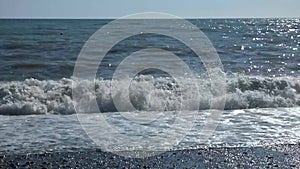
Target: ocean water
(261, 60)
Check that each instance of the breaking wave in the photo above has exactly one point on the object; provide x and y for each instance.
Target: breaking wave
(147, 93)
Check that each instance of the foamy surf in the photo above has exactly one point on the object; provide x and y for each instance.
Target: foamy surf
(248, 127)
(147, 93)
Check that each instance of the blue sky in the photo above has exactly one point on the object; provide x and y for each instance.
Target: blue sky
(118, 8)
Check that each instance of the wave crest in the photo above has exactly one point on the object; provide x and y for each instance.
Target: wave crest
(33, 96)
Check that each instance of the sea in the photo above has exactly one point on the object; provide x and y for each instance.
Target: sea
(260, 58)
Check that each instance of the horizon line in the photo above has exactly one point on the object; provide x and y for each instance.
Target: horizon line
(113, 18)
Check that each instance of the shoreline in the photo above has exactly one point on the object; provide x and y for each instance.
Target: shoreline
(274, 156)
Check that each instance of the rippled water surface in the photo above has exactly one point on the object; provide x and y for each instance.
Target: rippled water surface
(47, 49)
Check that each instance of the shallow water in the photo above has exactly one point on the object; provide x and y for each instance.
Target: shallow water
(252, 127)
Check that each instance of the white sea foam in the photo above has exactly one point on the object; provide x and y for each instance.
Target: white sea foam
(248, 127)
(33, 96)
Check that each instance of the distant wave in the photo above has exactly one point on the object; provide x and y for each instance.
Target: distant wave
(33, 96)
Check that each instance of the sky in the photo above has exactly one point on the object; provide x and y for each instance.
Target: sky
(119, 8)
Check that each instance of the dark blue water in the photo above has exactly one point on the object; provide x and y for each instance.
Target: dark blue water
(47, 49)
